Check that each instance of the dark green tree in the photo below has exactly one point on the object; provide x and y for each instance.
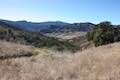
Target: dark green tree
(102, 33)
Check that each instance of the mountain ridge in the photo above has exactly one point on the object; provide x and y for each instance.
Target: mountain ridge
(34, 26)
(50, 26)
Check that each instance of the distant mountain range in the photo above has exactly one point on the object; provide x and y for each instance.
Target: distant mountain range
(33, 25)
(50, 26)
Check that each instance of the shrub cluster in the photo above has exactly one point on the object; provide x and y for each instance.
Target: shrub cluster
(104, 33)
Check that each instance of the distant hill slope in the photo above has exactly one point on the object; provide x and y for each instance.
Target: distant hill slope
(75, 27)
(84, 27)
(50, 26)
(34, 26)
(66, 35)
(13, 34)
(76, 38)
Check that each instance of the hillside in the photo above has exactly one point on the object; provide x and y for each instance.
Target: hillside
(100, 63)
(78, 39)
(50, 26)
(13, 34)
(66, 35)
(77, 27)
(34, 26)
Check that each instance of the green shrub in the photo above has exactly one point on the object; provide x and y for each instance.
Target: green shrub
(101, 34)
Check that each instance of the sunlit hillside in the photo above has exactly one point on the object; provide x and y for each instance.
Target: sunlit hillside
(100, 63)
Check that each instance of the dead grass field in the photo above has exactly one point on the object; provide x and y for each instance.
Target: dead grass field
(102, 63)
(12, 50)
(66, 35)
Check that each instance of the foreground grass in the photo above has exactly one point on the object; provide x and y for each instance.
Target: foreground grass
(102, 63)
(12, 50)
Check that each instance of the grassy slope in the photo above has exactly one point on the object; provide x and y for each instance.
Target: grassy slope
(75, 38)
(12, 50)
(66, 35)
(100, 63)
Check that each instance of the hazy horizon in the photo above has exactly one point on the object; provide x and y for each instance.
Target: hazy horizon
(69, 11)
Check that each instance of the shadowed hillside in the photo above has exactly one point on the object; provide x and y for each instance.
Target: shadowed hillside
(12, 34)
(34, 26)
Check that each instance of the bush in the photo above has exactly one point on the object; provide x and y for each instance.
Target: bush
(117, 34)
(101, 34)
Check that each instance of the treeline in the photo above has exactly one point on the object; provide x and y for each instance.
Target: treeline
(104, 33)
(34, 38)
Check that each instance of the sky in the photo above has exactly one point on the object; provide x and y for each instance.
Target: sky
(70, 11)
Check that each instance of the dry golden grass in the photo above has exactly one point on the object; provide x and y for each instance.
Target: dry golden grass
(12, 50)
(102, 63)
(66, 35)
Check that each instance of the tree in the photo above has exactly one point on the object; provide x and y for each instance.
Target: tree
(102, 33)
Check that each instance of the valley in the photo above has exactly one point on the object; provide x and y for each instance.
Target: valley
(59, 53)
(59, 40)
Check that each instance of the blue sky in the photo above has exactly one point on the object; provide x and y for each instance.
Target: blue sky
(61, 10)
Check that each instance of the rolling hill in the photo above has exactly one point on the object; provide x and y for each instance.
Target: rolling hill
(13, 34)
(50, 26)
(34, 26)
(75, 27)
(101, 63)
